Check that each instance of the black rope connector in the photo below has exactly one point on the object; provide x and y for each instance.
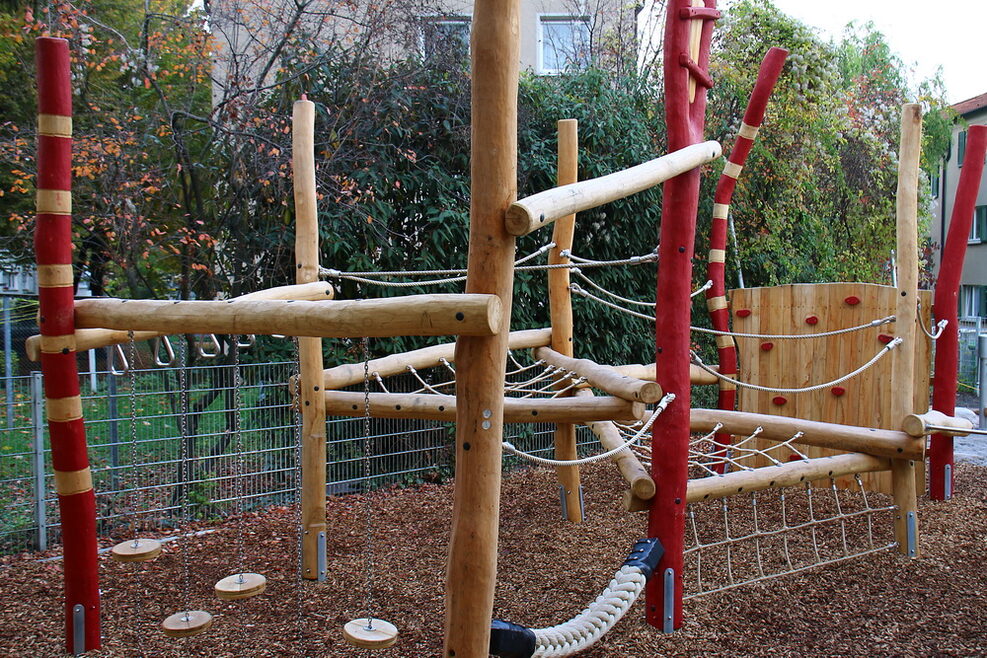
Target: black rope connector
(509, 640)
(645, 556)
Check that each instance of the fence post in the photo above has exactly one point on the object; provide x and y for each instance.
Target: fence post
(38, 427)
(111, 402)
(982, 350)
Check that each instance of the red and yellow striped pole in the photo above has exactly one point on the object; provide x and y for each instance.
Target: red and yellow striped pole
(716, 300)
(53, 251)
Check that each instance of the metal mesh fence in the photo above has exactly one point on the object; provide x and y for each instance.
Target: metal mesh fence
(134, 435)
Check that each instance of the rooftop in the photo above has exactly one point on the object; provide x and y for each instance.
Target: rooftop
(971, 104)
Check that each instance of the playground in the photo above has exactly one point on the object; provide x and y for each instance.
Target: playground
(785, 520)
(880, 606)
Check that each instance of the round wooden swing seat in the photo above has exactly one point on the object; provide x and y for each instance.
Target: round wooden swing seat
(136, 550)
(241, 586)
(186, 623)
(370, 633)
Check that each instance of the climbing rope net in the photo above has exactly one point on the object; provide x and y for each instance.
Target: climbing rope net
(747, 539)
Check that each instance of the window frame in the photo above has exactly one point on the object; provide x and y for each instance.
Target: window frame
(570, 19)
(438, 20)
(978, 227)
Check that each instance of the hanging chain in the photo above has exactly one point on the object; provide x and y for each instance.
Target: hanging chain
(239, 461)
(134, 480)
(296, 408)
(186, 476)
(368, 509)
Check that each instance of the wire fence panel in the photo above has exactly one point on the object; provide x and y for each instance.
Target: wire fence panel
(969, 375)
(134, 431)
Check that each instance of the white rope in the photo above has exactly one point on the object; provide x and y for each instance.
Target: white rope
(574, 288)
(877, 357)
(585, 278)
(595, 620)
(660, 407)
(633, 260)
(836, 332)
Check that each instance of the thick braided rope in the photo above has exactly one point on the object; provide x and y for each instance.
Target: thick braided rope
(593, 622)
(660, 407)
(768, 389)
(836, 332)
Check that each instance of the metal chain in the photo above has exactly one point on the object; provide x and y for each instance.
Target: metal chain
(183, 410)
(239, 463)
(368, 509)
(133, 479)
(296, 395)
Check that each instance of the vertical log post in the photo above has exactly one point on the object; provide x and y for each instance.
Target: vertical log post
(560, 311)
(67, 432)
(945, 307)
(471, 574)
(670, 435)
(311, 397)
(716, 299)
(903, 366)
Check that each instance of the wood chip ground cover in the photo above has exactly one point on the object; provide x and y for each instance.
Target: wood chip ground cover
(879, 605)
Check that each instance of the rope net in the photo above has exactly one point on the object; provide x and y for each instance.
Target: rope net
(747, 539)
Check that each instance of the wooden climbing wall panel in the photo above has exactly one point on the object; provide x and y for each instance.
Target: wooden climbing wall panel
(864, 400)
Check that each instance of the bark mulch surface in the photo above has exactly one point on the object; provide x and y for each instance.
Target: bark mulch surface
(881, 605)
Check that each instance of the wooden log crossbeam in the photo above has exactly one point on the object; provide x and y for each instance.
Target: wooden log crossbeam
(641, 486)
(516, 410)
(543, 208)
(604, 377)
(697, 376)
(935, 422)
(786, 475)
(349, 374)
(90, 339)
(412, 315)
(882, 443)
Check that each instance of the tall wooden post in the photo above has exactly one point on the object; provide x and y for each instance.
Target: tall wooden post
(560, 311)
(945, 307)
(688, 31)
(67, 432)
(472, 569)
(311, 396)
(903, 366)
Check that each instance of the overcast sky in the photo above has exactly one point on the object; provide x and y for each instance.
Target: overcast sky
(926, 35)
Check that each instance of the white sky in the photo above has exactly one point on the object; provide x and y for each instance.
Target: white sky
(925, 35)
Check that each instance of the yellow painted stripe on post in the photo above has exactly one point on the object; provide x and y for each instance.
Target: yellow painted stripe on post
(54, 276)
(55, 202)
(717, 255)
(54, 125)
(748, 131)
(732, 169)
(716, 303)
(64, 409)
(720, 210)
(723, 342)
(68, 483)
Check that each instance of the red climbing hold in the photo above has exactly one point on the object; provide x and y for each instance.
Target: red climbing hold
(767, 347)
(744, 313)
(852, 300)
(885, 338)
(812, 319)
(779, 400)
(838, 391)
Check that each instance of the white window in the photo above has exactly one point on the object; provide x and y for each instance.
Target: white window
(446, 37)
(563, 43)
(978, 228)
(973, 301)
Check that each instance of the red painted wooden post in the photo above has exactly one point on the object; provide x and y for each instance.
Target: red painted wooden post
(53, 249)
(945, 307)
(685, 108)
(716, 301)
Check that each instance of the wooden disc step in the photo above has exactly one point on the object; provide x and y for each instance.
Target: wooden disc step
(241, 586)
(138, 549)
(186, 623)
(370, 633)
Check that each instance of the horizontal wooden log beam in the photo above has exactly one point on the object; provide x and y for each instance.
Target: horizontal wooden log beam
(630, 467)
(516, 410)
(850, 438)
(786, 475)
(697, 376)
(538, 210)
(348, 374)
(90, 339)
(413, 315)
(919, 424)
(603, 377)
